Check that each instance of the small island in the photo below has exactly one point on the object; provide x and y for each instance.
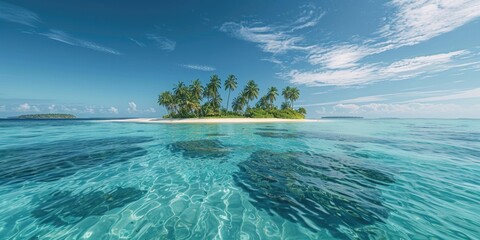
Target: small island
(46, 116)
(197, 101)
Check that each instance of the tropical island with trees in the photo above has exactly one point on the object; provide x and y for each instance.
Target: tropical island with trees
(198, 101)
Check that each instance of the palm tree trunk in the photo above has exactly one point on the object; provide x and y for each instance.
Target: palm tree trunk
(228, 99)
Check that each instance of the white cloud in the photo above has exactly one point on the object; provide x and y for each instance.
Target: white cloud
(68, 109)
(23, 16)
(272, 60)
(416, 21)
(413, 22)
(341, 64)
(162, 42)
(113, 110)
(132, 107)
(25, 107)
(403, 69)
(406, 110)
(89, 109)
(150, 110)
(198, 67)
(343, 77)
(268, 38)
(3, 108)
(341, 56)
(16, 14)
(310, 19)
(380, 98)
(275, 39)
(63, 37)
(465, 94)
(51, 108)
(140, 44)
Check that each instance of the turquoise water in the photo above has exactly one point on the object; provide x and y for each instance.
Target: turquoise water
(341, 179)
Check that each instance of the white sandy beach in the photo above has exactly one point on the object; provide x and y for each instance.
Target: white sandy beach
(212, 120)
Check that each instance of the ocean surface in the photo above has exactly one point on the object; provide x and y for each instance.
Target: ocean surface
(341, 179)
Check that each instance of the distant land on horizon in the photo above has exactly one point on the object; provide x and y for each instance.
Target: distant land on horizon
(45, 116)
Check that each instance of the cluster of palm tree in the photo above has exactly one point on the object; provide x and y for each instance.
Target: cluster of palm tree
(290, 94)
(186, 101)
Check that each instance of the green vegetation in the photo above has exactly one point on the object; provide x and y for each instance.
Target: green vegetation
(47, 116)
(196, 100)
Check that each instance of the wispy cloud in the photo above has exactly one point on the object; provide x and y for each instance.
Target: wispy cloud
(132, 107)
(403, 110)
(16, 14)
(113, 110)
(272, 60)
(25, 107)
(418, 21)
(198, 67)
(89, 109)
(275, 39)
(52, 108)
(63, 37)
(162, 42)
(150, 110)
(310, 18)
(343, 63)
(413, 22)
(465, 94)
(368, 73)
(140, 44)
(268, 39)
(339, 56)
(389, 97)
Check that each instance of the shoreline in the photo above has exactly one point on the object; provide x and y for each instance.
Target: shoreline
(213, 120)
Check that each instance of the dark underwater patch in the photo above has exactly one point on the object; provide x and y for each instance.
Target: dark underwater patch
(344, 138)
(64, 208)
(206, 148)
(282, 135)
(216, 135)
(314, 190)
(273, 129)
(52, 161)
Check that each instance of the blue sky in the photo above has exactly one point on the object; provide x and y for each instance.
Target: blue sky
(399, 58)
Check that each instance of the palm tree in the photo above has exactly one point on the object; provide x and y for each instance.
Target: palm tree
(166, 99)
(196, 89)
(302, 110)
(230, 85)
(263, 103)
(192, 104)
(294, 95)
(194, 97)
(251, 91)
(272, 95)
(180, 89)
(239, 103)
(216, 102)
(211, 92)
(181, 94)
(214, 85)
(287, 92)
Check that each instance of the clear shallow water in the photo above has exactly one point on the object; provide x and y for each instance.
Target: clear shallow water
(343, 179)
